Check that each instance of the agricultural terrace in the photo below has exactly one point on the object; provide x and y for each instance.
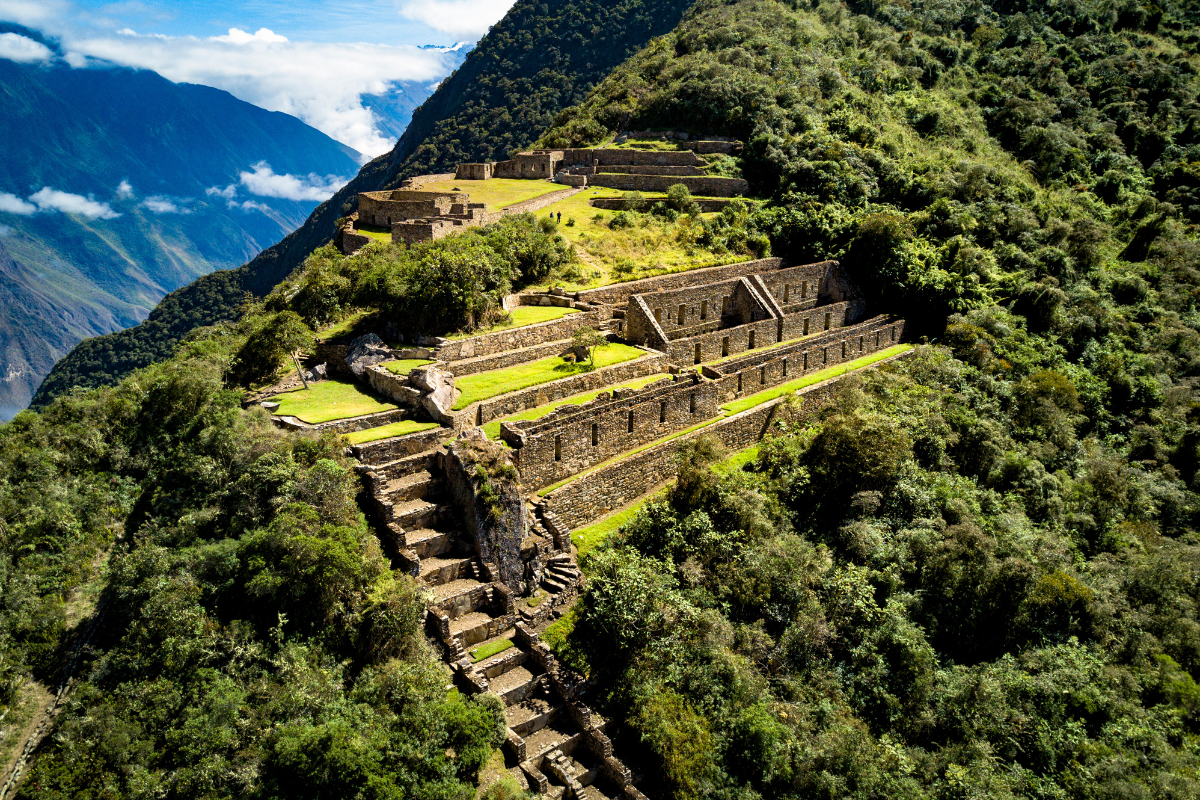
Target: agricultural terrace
(649, 246)
(519, 317)
(492, 429)
(498, 193)
(328, 400)
(493, 383)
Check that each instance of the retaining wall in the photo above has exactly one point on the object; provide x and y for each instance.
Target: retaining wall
(730, 341)
(591, 496)
(507, 359)
(619, 293)
(517, 338)
(707, 204)
(505, 405)
(538, 203)
(574, 438)
(611, 156)
(651, 169)
(696, 184)
(387, 450)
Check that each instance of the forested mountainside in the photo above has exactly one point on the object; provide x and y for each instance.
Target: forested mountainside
(536, 61)
(976, 574)
(106, 204)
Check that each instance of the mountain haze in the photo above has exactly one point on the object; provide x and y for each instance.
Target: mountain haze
(112, 177)
(536, 61)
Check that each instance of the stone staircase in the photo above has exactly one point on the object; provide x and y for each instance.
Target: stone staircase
(556, 746)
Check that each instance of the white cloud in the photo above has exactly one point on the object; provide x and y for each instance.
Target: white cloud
(265, 183)
(5, 231)
(16, 47)
(237, 36)
(48, 199)
(161, 204)
(229, 192)
(14, 205)
(468, 18)
(250, 205)
(125, 190)
(320, 83)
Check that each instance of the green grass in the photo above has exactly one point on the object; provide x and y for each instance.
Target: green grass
(483, 385)
(767, 395)
(492, 429)
(521, 316)
(589, 537)
(737, 460)
(405, 365)
(349, 325)
(498, 193)
(374, 232)
(558, 638)
(490, 649)
(401, 428)
(326, 401)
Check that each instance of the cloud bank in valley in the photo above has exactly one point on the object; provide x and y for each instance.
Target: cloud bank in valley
(319, 82)
(460, 18)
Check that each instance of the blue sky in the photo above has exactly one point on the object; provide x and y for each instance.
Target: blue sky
(314, 60)
(300, 20)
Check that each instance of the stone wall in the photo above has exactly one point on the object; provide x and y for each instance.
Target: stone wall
(517, 338)
(348, 425)
(536, 164)
(707, 204)
(755, 372)
(473, 172)
(574, 438)
(387, 450)
(678, 311)
(515, 402)
(797, 284)
(384, 208)
(619, 293)
(508, 358)
(610, 156)
(730, 341)
(538, 203)
(650, 169)
(703, 184)
(394, 387)
(593, 495)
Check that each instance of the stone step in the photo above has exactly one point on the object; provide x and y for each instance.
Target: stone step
(553, 586)
(472, 627)
(430, 543)
(514, 685)
(531, 715)
(412, 514)
(436, 571)
(414, 486)
(561, 558)
(402, 466)
(553, 735)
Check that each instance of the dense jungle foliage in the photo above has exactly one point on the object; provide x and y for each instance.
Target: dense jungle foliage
(540, 58)
(254, 643)
(976, 575)
(979, 576)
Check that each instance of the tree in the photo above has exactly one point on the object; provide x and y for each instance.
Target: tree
(588, 339)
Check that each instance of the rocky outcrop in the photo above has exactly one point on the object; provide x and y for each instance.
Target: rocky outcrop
(367, 351)
(438, 392)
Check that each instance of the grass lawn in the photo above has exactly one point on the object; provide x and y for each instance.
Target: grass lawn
(498, 193)
(483, 385)
(375, 232)
(737, 460)
(492, 429)
(520, 317)
(401, 428)
(490, 649)
(587, 538)
(405, 365)
(750, 401)
(325, 401)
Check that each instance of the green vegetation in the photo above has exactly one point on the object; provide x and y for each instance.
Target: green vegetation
(402, 428)
(490, 649)
(791, 387)
(492, 429)
(403, 366)
(483, 385)
(589, 537)
(349, 326)
(498, 193)
(376, 233)
(521, 316)
(252, 624)
(325, 401)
